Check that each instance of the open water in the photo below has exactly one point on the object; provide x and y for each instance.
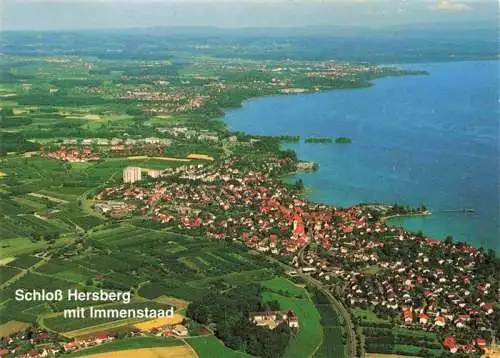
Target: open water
(430, 139)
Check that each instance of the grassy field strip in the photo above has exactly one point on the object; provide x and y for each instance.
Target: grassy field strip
(48, 197)
(173, 301)
(23, 245)
(310, 331)
(130, 345)
(382, 355)
(282, 284)
(189, 263)
(309, 336)
(159, 322)
(6, 260)
(172, 159)
(10, 327)
(170, 352)
(101, 327)
(59, 276)
(42, 308)
(218, 257)
(20, 274)
(211, 347)
(30, 203)
(8, 273)
(242, 276)
(190, 348)
(200, 156)
(368, 315)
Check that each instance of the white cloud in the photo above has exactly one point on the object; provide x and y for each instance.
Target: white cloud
(450, 6)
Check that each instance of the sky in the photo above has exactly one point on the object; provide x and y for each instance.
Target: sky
(103, 14)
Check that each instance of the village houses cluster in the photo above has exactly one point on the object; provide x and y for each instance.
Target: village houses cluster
(428, 283)
(45, 344)
(48, 344)
(92, 149)
(71, 154)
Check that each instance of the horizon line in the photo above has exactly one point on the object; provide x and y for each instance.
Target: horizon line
(483, 24)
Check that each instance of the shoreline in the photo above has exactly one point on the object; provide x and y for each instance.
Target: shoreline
(373, 82)
(369, 83)
(365, 84)
(408, 215)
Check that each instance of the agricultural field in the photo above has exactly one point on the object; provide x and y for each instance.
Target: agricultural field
(42, 203)
(23, 311)
(67, 271)
(380, 338)
(125, 235)
(6, 273)
(367, 315)
(162, 267)
(178, 303)
(159, 322)
(114, 327)
(170, 352)
(23, 261)
(284, 287)
(333, 341)
(6, 260)
(22, 246)
(45, 202)
(408, 349)
(130, 344)
(60, 323)
(12, 327)
(381, 355)
(373, 269)
(210, 347)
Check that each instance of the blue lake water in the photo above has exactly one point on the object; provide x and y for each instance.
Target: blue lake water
(430, 139)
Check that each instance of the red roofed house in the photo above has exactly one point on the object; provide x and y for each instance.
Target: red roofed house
(481, 342)
(408, 315)
(101, 338)
(451, 344)
(440, 322)
(432, 242)
(423, 318)
(70, 346)
(483, 287)
(487, 307)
